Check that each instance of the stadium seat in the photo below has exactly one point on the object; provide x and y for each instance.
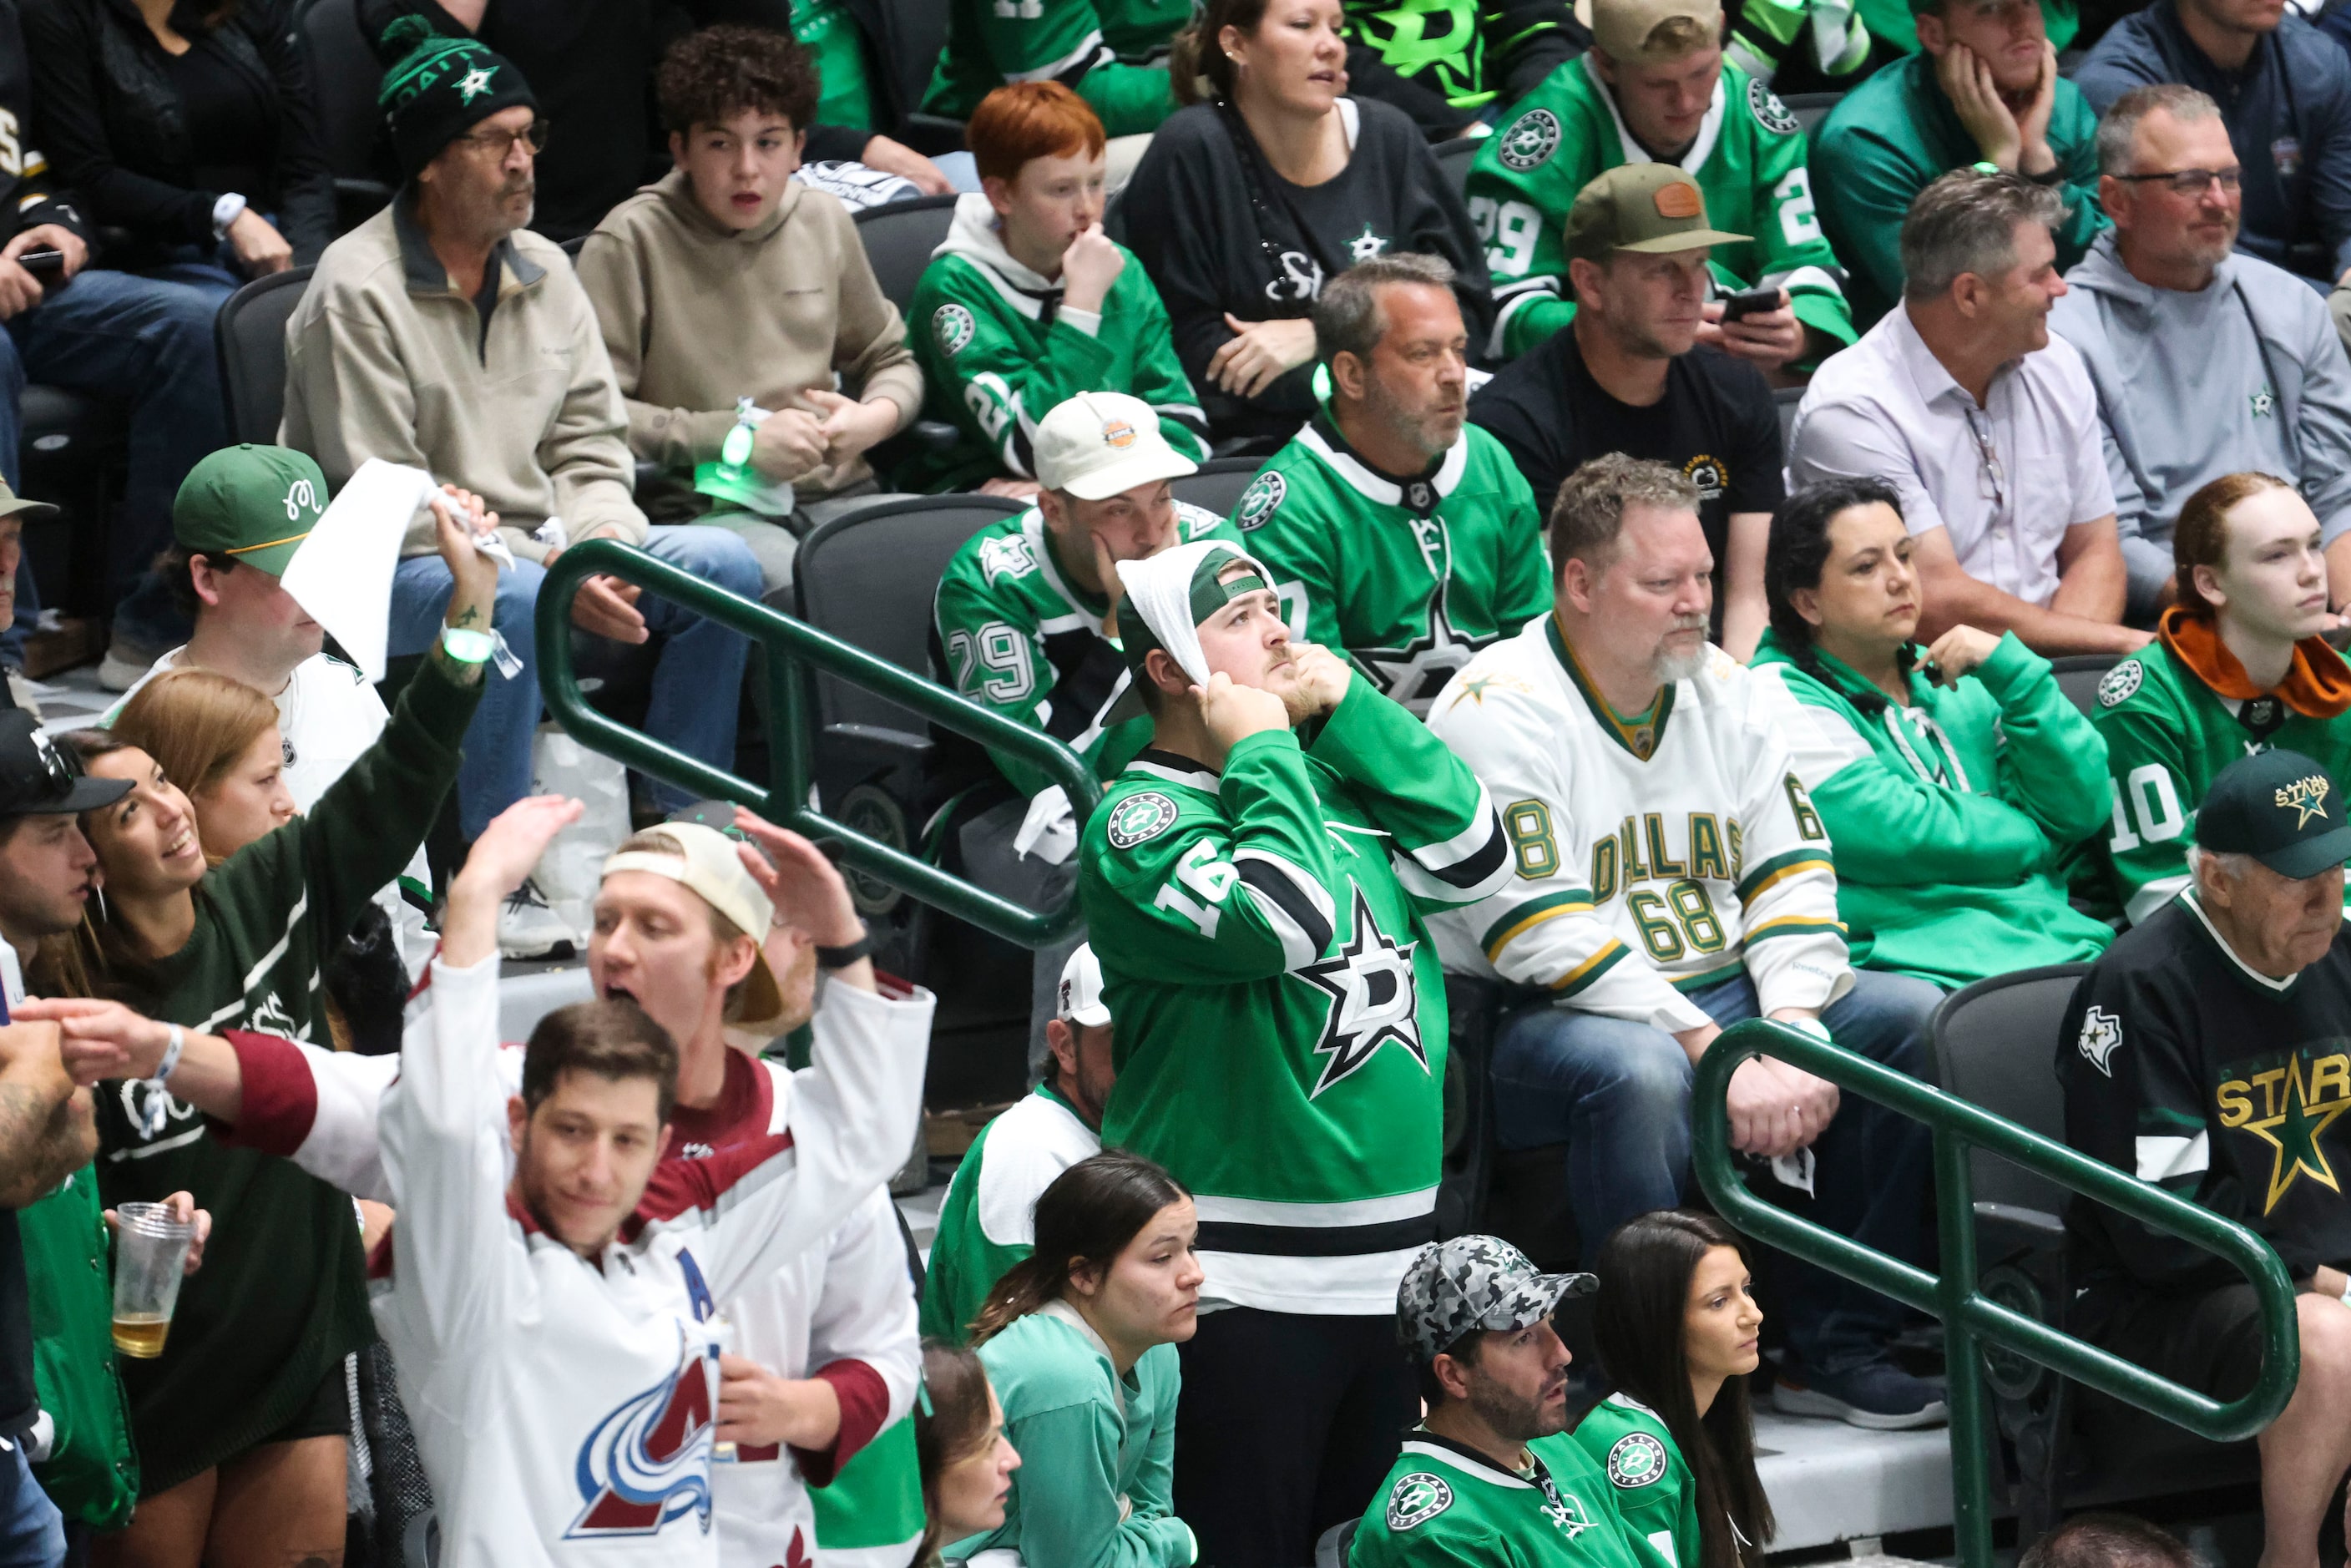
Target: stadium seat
(1219, 484)
(250, 333)
(1331, 1550)
(570, 247)
(1995, 1047)
(1453, 155)
(1787, 398)
(2078, 675)
(1811, 108)
(869, 579)
(344, 73)
(71, 451)
(899, 239)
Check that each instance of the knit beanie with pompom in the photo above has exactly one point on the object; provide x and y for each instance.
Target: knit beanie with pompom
(442, 88)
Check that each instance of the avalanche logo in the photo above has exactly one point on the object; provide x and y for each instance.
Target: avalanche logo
(648, 1462)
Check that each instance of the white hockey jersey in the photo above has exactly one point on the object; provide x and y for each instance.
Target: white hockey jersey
(844, 1311)
(1654, 855)
(564, 1409)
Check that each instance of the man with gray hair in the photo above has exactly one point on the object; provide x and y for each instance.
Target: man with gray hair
(1986, 429)
(1670, 878)
(2207, 360)
(2204, 1053)
(1394, 532)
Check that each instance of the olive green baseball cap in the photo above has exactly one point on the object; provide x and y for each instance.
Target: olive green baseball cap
(254, 504)
(1652, 208)
(1622, 27)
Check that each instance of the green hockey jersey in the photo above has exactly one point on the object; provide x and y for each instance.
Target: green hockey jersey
(1409, 576)
(1828, 34)
(1282, 1025)
(2167, 734)
(871, 1514)
(1655, 1492)
(1748, 161)
(987, 1219)
(1011, 631)
(1443, 1503)
(1094, 47)
(998, 352)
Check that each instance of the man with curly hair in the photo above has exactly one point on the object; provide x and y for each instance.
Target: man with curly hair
(726, 279)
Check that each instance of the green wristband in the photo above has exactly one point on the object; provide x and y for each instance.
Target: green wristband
(467, 647)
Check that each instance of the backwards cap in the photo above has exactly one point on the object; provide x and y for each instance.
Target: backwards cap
(1167, 597)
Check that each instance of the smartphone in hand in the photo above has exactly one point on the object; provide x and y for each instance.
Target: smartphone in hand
(1750, 302)
(47, 263)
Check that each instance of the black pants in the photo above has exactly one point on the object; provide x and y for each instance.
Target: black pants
(1286, 1426)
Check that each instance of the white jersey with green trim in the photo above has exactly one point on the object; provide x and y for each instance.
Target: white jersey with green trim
(1654, 853)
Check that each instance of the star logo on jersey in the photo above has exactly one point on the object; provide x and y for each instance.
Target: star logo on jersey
(1260, 501)
(2102, 1035)
(1636, 1460)
(2265, 404)
(1373, 1001)
(474, 84)
(1006, 555)
(2292, 1130)
(1140, 818)
(1530, 142)
(1476, 688)
(2117, 685)
(1769, 112)
(1365, 245)
(1417, 1498)
(953, 327)
(1414, 674)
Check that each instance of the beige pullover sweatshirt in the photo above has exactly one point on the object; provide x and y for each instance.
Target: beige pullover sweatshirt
(695, 315)
(385, 359)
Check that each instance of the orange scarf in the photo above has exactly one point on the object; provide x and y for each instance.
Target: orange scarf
(2317, 685)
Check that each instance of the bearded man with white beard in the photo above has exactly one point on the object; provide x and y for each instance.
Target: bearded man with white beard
(1672, 879)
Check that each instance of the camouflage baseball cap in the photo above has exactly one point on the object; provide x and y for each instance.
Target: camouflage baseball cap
(1475, 1282)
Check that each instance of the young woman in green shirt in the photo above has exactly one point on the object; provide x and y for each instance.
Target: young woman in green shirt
(241, 1422)
(1678, 1331)
(1079, 1339)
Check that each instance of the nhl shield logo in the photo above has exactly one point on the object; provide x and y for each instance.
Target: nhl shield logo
(951, 325)
(2101, 1034)
(1769, 112)
(1417, 1498)
(1259, 501)
(1638, 1460)
(1530, 142)
(1140, 818)
(2119, 682)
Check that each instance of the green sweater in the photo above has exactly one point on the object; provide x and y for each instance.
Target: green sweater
(1950, 821)
(1097, 1450)
(92, 1472)
(281, 1298)
(1655, 1492)
(1893, 136)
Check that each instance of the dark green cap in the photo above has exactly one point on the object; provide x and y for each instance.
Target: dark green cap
(2279, 808)
(254, 504)
(1653, 208)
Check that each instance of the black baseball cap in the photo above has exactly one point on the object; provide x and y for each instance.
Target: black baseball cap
(2279, 808)
(39, 778)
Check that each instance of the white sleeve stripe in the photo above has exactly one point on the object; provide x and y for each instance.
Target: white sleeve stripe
(1298, 949)
(1483, 828)
(1079, 60)
(2162, 1159)
(2154, 897)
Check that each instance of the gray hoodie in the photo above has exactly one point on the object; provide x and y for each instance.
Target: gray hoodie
(2246, 375)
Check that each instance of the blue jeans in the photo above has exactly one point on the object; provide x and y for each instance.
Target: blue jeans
(1617, 1094)
(147, 342)
(32, 1531)
(697, 681)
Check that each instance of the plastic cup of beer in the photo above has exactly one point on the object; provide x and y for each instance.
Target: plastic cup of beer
(151, 1253)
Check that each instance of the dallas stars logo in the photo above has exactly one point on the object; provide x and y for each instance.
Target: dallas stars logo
(2293, 1134)
(1414, 674)
(1372, 1001)
(474, 84)
(2306, 797)
(2265, 403)
(1365, 245)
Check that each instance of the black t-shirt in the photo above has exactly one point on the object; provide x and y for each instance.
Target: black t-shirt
(1716, 424)
(2225, 1087)
(230, 125)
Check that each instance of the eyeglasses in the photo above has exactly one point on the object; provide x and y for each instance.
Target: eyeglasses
(1991, 479)
(2190, 182)
(500, 144)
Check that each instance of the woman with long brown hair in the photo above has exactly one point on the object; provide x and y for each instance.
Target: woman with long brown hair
(965, 1461)
(241, 1422)
(217, 738)
(1080, 1340)
(1677, 1327)
(1273, 181)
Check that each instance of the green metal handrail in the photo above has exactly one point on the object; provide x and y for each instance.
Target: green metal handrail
(1970, 1318)
(791, 803)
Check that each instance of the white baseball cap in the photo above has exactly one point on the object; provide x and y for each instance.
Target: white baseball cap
(1080, 996)
(707, 861)
(1100, 444)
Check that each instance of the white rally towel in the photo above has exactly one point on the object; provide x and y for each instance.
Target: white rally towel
(1159, 589)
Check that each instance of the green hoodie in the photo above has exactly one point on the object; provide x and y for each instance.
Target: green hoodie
(1950, 817)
